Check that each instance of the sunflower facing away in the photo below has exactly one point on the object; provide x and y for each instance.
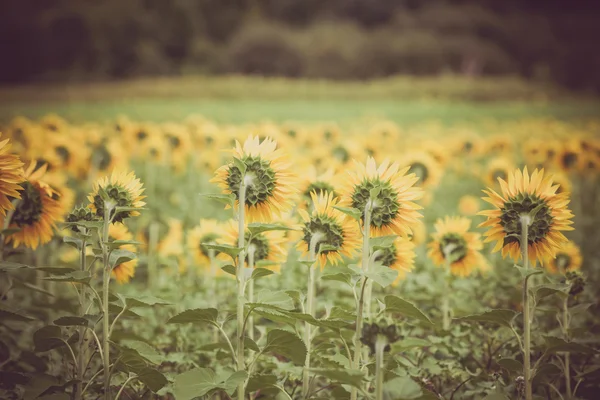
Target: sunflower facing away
(452, 239)
(120, 189)
(11, 174)
(123, 272)
(568, 258)
(333, 228)
(269, 184)
(400, 256)
(393, 209)
(526, 195)
(37, 212)
(208, 231)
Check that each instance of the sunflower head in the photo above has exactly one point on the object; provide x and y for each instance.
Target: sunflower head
(568, 258)
(80, 214)
(532, 200)
(208, 231)
(400, 256)
(118, 190)
(266, 176)
(330, 231)
(267, 247)
(388, 193)
(11, 175)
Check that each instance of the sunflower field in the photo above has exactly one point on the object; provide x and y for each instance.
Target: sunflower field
(199, 259)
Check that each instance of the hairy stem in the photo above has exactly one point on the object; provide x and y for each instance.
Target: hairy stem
(82, 330)
(105, 287)
(310, 295)
(380, 344)
(526, 309)
(241, 365)
(251, 252)
(565, 326)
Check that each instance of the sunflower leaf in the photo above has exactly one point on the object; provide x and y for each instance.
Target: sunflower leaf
(511, 365)
(354, 213)
(201, 381)
(409, 343)
(241, 165)
(352, 377)
(498, 316)
(402, 388)
(256, 228)
(543, 291)
(556, 344)
(153, 379)
(231, 251)
(11, 266)
(527, 272)
(75, 276)
(197, 315)
(50, 337)
(9, 315)
(120, 256)
(8, 231)
(382, 242)
(227, 199)
(382, 275)
(286, 344)
(395, 304)
(260, 273)
(230, 269)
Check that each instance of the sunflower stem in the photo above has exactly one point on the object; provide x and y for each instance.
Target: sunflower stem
(446, 295)
(565, 326)
(82, 330)
(241, 365)
(525, 221)
(105, 287)
(380, 344)
(310, 297)
(361, 299)
(251, 252)
(366, 256)
(7, 220)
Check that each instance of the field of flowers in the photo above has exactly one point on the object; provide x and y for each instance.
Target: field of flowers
(299, 260)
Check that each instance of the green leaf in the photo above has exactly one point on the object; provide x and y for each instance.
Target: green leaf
(231, 251)
(50, 337)
(526, 272)
(510, 364)
(9, 380)
(9, 315)
(286, 344)
(232, 382)
(153, 379)
(84, 224)
(72, 321)
(241, 165)
(556, 344)
(382, 275)
(17, 283)
(260, 273)
(230, 269)
(11, 266)
(75, 276)
(56, 270)
(201, 381)
(402, 388)
(395, 304)
(382, 242)
(73, 242)
(344, 277)
(227, 199)
(545, 371)
(250, 344)
(580, 308)
(120, 256)
(499, 316)
(542, 291)
(8, 231)
(144, 300)
(258, 382)
(197, 315)
(354, 213)
(352, 377)
(120, 209)
(256, 228)
(409, 343)
(144, 350)
(273, 299)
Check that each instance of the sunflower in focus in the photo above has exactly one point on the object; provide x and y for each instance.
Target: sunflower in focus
(326, 226)
(393, 210)
(209, 231)
(123, 272)
(269, 184)
(568, 258)
(533, 196)
(11, 175)
(119, 190)
(400, 256)
(36, 213)
(453, 240)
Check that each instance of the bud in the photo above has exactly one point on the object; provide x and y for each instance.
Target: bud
(80, 214)
(371, 331)
(577, 282)
(520, 385)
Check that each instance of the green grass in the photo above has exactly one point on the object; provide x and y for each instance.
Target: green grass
(238, 99)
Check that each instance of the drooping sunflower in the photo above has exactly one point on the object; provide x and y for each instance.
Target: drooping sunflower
(122, 190)
(526, 195)
(333, 229)
(11, 175)
(123, 272)
(568, 258)
(393, 209)
(270, 187)
(36, 213)
(400, 256)
(453, 239)
(424, 166)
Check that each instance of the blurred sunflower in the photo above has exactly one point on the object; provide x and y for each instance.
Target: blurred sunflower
(331, 227)
(11, 175)
(209, 231)
(393, 209)
(468, 205)
(121, 190)
(535, 152)
(452, 239)
(563, 181)
(123, 272)
(523, 196)
(313, 181)
(180, 145)
(568, 258)
(108, 155)
(269, 184)
(424, 166)
(37, 212)
(499, 167)
(500, 145)
(53, 123)
(172, 244)
(267, 247)
(570, 157)
(400, 257)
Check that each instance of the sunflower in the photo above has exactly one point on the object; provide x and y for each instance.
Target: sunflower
(123, 272)
(172, 244)
(452, 239)
(208, 231)
(313, 181)
(568, 258)
(269, 184)
(37, 212)
(468, 205)
(424, 166)
(120, 189)
(400, 256)
(521, 196)
(11, 175)
(334, 229)
(498, 167)
(267, 246)
(180, 145)
(393, 209)
(570, 157)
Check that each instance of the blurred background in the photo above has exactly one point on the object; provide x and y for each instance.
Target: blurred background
(66, 41)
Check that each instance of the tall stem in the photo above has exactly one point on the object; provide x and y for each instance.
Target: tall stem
(310, 298)
(446, 294)
(525, 219)
(251, 251)
(565, 325)
(361, 300)
(82, 331)
(241, 365)
(380, 344)
(105, 316)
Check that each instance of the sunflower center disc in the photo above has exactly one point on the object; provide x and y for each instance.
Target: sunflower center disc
(520, 205)
(120, 196)
(569, 159)
(263, 183)
(387, 204)
(387, 256)
(319, 187)
(331, 231)
(30, 208)
(420, 170)
(457, 245)
(260, 244)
